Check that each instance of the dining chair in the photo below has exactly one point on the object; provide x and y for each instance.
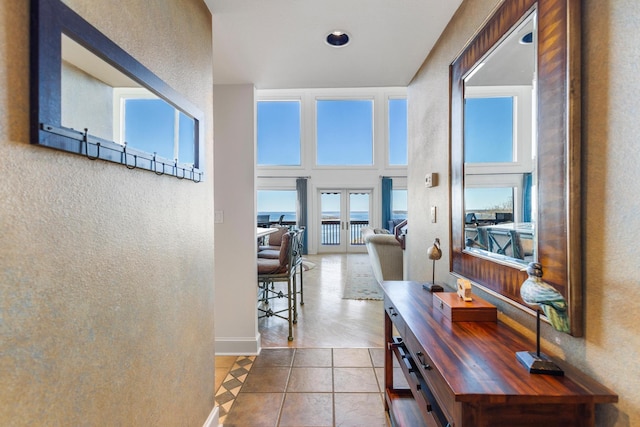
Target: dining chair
(262, 221)
(282, 269)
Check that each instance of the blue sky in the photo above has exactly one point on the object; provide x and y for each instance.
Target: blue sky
(488, 130)
(149, 127)
(344, 132)
(279, 133)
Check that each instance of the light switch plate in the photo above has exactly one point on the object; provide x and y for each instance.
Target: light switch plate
(431, 180)
(433, 214)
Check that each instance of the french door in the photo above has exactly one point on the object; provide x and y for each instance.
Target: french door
(343, 213)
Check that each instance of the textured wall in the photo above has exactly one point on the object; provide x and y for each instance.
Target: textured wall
(106, 274)
(611, 230)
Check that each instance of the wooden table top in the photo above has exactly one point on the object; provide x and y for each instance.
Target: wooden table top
(478, 359)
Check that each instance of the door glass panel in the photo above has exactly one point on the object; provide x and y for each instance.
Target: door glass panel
(330, 214)
(358, 216)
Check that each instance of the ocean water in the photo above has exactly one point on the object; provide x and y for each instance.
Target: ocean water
(357, 216)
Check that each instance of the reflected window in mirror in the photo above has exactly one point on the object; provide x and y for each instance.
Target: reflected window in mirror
(499, 149)
(150, 124)
(488, 130)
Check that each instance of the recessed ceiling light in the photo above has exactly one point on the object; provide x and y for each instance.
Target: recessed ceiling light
(527, 38)
(337, 38)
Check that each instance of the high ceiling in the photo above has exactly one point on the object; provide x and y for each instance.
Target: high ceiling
(280, 44)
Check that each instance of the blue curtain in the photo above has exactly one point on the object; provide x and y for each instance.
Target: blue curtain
(387, 186)
(301, 188)
(527, 182)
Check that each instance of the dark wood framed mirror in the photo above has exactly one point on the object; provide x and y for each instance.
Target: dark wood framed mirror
(90, 97)
(553, 215)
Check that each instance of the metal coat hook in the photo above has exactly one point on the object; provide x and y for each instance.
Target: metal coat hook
(126, 162)
(194, 175)
(177, 168)
(155, 166)
(85, 139)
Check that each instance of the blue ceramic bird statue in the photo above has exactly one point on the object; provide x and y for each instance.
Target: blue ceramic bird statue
(535, 291)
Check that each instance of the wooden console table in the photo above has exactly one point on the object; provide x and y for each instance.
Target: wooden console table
(467, 374)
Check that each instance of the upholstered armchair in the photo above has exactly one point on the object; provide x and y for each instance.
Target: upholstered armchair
(385, 253)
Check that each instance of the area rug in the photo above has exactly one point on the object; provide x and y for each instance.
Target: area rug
(360, 282)
(308, 265)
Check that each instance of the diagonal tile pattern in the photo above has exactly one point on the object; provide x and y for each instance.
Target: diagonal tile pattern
(232, 383)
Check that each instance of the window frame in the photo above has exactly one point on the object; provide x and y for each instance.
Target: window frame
(523, 130)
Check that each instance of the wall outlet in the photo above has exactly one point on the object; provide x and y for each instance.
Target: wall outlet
(218, 217)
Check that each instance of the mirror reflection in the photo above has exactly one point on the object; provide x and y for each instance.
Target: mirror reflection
(500, 149)
(114, 107)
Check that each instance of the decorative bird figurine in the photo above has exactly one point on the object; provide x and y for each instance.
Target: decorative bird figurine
(535, 291)
(434, 253)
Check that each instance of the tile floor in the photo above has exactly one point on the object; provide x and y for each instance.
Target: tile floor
(305, 387)
(331, 374)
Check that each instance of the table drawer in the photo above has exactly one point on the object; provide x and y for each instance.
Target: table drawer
(395, 317)
(437, 391)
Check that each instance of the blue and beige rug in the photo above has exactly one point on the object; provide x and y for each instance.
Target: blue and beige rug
(360, 282)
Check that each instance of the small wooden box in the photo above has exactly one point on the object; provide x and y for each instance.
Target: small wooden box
(454, 308)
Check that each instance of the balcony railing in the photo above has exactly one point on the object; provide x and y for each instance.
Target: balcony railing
(331, 232)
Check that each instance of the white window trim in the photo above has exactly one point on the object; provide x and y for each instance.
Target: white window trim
(522, 129)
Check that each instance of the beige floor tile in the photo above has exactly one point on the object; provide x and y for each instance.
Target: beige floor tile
(307, 409)
(359, 410)
(352, 357)
(377, 355)
(311, 380)
(354, 380)
(255, 410)
(313, 357)
(265, 380)
(274, 357)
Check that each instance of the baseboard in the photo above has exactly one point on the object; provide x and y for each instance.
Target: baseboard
(212, 419)
(238, 346)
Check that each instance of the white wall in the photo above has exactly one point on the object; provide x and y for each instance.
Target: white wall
(236, 324)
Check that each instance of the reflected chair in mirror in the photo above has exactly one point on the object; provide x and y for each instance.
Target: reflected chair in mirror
(263, 221)
(280, 270)
(504, 242)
